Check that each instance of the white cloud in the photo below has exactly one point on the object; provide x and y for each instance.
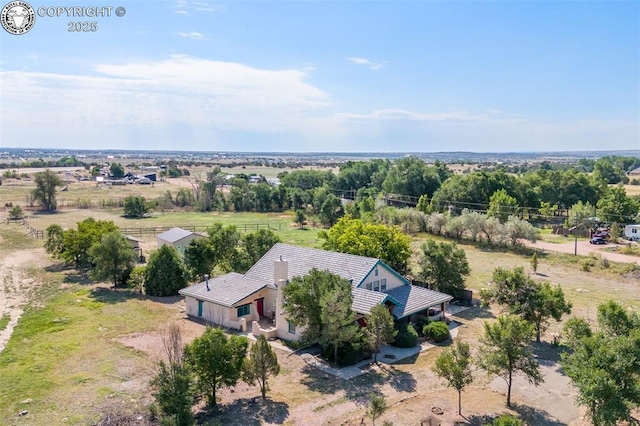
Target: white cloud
(184, 7)
(200, 95)
(192, 35)
(362, 61)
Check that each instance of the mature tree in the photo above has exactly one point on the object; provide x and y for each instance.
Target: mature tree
(45, 191)
(616, 206)
(54, 242)
(614, 321)
(216, 360)
(302, 299)
(534, 302)
(261, 364)
(472, 223)
(492, 229)
(300, 219)
(502, 205)
(172, 383)
(436, 223)
(413, 177)
(353, 236)
(380, 329)
(165, 273)
(582, 213)
(605, 366)
(505, 351)
(516, 229)
(576, 329)
(135, 206)
(377, 406)
(331, 210)
(224, 241)
(443, 266)
(117, 171)
(111, 257)
(339, 325)
(454, 365)
(256, 244)
(199, 258)
(77, 242)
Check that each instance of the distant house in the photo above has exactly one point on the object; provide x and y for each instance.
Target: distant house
(255, 179)
(632, 232)
(178, 238)
(254, 301)
(634, 172)
(275, 182)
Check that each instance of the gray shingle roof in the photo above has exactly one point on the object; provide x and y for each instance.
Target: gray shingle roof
(413, 299)
(225, 290)
(364, 300)
(174, 234)
(303, 259)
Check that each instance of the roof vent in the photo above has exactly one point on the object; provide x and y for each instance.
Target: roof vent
(206, 280)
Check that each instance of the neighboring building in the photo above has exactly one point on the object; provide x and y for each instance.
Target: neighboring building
(255, 179)
(133, 242)
(275, 182)
(253, 301)
(632, 232)
(177, 237)
(634, 172)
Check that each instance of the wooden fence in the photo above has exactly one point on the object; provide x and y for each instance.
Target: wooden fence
(155, 230)
(30, 230)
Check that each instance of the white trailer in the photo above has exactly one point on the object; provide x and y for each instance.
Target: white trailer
(632, 232)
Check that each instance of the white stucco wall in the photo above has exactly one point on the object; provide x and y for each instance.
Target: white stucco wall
(215, 314)
(383, 273)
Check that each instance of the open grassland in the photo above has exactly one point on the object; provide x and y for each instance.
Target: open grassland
(632, 190)
(281, 224)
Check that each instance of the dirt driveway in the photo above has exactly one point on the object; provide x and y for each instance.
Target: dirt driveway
(16, 288)
(584, 249)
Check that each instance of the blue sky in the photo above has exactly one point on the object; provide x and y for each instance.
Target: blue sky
(346, 76)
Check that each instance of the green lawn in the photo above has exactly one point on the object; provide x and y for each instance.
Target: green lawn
(62, 360)
(281, 223)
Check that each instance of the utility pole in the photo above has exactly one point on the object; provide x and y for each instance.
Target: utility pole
(575, 233)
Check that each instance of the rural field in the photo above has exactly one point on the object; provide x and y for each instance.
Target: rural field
(75, 350)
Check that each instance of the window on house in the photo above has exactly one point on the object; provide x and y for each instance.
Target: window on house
(376, 285)
(368, 286)
(244, 310)
(383, 284)
(292, 327)
(376, 272)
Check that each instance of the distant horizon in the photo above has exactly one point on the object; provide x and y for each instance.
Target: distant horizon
(114, 150)
(327, 76)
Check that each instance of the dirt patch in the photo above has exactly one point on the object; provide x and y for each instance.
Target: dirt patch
(16, 287)
(151, 343)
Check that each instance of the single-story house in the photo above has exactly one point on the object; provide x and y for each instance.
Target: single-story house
(248, 302)
(632, 232)
(178, 238)
(634, 172)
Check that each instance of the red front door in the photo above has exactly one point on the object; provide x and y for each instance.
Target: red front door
(260, 307)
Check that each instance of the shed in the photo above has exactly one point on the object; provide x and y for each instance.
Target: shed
(178, 238)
